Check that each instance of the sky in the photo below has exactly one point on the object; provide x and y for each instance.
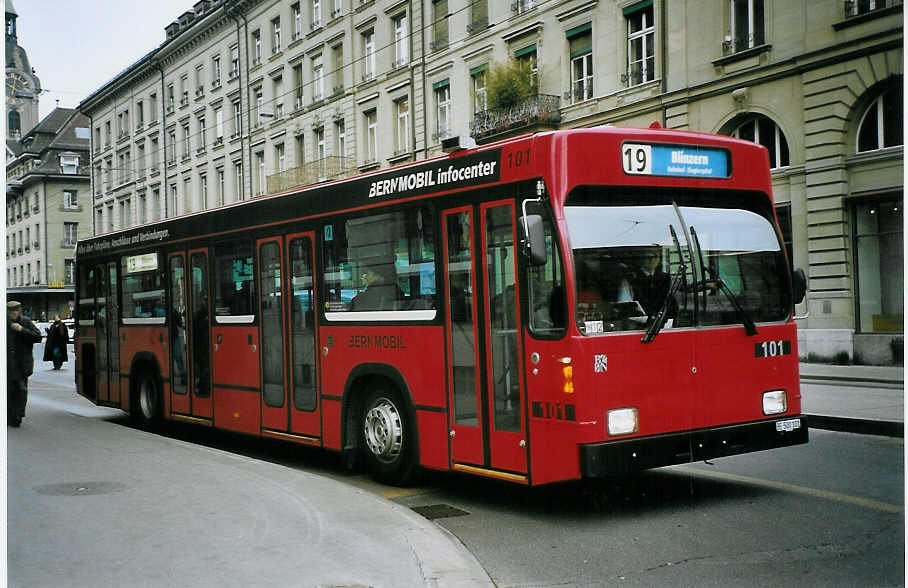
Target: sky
(75, 47)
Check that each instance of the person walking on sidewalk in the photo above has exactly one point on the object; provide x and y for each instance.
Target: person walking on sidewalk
(55, 345)
(21, 335)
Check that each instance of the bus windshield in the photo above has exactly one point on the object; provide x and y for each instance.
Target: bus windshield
(728, 262)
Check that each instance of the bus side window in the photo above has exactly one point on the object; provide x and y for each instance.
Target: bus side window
(548, 309)
(234, 285)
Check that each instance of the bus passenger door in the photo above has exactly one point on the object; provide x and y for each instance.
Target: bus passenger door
(101, 330)
(464, 382)
(275, 415)
(484, 372)
(200, 333)
(178, 335)
(113, 334)
(305, 414)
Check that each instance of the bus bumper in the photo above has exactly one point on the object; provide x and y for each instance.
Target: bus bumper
(618, 458)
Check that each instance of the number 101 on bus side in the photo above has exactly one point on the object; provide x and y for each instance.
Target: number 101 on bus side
(583, 303)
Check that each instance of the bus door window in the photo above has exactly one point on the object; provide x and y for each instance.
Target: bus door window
(101, 328)
(201, 357)
(177, 316)
(460, 302)
(272, 336)
(502, 300)
(302, 325)
(85, 354)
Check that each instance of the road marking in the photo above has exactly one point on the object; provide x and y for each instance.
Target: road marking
(814, 492)
(391, 494)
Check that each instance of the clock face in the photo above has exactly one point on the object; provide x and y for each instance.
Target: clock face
(17, 86)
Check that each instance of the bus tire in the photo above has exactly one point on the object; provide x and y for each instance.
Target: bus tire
(148, 405)
(388, 437)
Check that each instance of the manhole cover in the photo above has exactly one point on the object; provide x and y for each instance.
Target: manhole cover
(80, 488)
(439, 511)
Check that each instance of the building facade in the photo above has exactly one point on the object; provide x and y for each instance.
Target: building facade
(252, 97)
(47, 204)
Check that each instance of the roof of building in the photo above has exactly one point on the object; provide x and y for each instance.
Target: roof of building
(56, 132)
(10, 9)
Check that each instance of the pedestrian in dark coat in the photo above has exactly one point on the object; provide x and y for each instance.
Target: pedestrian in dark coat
(21, 335)
(55, 345)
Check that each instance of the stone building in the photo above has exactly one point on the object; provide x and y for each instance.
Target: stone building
(47, 198)
(22, 85)
(249, 97)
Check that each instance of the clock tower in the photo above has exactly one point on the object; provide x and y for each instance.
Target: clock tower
(22, 86)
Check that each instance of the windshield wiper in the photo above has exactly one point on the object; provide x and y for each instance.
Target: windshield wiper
(749, 327)
(677, 279)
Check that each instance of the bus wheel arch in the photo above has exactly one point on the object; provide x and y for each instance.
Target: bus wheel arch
(380, 425)
(146, 390)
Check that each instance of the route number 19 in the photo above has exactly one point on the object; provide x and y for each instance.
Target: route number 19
(637, 158)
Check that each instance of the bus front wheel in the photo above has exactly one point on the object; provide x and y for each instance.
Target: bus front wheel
(388, 441)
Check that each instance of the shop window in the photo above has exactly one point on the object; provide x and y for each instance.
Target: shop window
(879, 252)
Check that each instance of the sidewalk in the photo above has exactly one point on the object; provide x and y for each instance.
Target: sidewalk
(857, 399)
(91, 503)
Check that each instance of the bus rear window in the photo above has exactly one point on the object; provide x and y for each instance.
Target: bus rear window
(234, 286)
(143, 289)
(381, 267)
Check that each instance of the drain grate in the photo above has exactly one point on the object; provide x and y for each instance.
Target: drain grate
(80, 488)
(439, 511)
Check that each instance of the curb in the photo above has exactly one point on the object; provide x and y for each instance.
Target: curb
(859, 426)
(874, 382)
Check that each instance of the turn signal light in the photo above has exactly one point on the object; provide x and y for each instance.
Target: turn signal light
(568, 373)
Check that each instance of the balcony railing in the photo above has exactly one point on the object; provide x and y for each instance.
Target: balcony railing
(858, 7)
(478, 25)
(327, 168)
(521, 6)
(540, 110)
(735, 44)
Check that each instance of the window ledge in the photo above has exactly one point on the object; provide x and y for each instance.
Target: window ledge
(399, 157)
(867, 16)
(894, 152)
(741, 55)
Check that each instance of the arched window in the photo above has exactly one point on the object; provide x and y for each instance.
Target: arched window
(761, 129)
(13, 122)
(881, 125)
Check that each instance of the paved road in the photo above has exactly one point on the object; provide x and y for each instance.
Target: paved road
(827, 513)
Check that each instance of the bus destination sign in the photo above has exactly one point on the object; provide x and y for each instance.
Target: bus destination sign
(674, 160)
(459, 172)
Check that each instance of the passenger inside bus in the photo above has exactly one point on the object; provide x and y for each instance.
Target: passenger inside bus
(382, 291)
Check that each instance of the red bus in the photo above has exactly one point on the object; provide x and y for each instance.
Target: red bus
(580, 303)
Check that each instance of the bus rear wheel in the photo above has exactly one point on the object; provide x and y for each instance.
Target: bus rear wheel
(388, 441)
(148, 400)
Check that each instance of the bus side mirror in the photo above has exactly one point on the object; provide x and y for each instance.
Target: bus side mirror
(798, 285)
(534, 239)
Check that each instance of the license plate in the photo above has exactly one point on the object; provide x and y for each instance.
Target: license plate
(788, 426)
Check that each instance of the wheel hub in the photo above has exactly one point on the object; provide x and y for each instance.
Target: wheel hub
(146, 399)
(383, 430)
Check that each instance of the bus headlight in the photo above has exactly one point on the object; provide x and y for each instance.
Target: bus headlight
(775, 402)
(623, 421)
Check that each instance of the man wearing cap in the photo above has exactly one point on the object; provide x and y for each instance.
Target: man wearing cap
(21, 335)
